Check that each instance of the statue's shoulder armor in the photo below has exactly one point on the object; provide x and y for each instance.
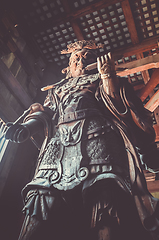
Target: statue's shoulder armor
(87, 79)
(76, 82)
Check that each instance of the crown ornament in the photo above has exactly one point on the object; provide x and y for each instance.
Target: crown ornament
(88, 44)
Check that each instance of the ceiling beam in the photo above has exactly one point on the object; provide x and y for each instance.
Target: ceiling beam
(93, 7)
(133, 32)
(14, 48)
(145, 73)
(71, 16)
(135, 66)
(152, 83)
(130, 21)
(138, 65)
(156, 127)
(145, 45)
(153, 103)
(77, 30)
(74, 24)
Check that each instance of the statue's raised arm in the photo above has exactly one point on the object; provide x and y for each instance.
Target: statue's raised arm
(106, 68)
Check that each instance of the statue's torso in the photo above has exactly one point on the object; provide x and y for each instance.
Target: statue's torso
(86, 144)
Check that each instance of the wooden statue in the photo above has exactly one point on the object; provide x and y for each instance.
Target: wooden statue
(89, 172)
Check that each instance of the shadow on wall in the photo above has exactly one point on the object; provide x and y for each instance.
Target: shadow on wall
(52, 74)
(10, 201)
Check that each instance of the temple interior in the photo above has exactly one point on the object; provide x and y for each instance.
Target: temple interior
(32, 34)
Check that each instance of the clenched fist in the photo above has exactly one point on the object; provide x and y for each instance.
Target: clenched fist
(36, 107)
(17, 132)
(106, 65)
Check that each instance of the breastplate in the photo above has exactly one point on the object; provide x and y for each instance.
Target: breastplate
(72, 172)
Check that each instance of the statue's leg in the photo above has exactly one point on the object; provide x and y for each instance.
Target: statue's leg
(30, 225)
(106, 228)
(101, 211)
(112, 213)
(38, 206)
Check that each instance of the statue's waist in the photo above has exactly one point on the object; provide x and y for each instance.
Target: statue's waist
(78, 115)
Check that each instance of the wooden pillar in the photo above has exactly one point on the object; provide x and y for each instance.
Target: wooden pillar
(14, 86)
(143, 94)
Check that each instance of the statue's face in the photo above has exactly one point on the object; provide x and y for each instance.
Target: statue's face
(79, 60)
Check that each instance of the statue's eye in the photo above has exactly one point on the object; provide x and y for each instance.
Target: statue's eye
(77, 57)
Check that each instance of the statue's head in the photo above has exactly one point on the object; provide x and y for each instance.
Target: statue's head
(82, 54)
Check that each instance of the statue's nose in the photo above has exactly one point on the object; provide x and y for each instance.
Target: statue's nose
(81, 61)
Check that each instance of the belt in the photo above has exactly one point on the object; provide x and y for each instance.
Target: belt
(77, 115)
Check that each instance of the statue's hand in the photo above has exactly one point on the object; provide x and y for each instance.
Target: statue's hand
(17, 132)
(106, 65)
(36, 107)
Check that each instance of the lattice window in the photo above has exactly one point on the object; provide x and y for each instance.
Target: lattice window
(107, 26)
(53, 40)
(146, 15)
(78, 4)
(151, 52)
(42, 10)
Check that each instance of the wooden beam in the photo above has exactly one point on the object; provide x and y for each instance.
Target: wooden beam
(14, 86)
(66, 6)
(134, 66)
(153, 103)
(139, 65)
(77, 30)
(130, 21)
(133, 32)
(139, 86)
(156, 128)
(152, 83)
(153, 186)
(74, 24)
(145, 74)
(13, 46)
(9, 18)
(145, 45)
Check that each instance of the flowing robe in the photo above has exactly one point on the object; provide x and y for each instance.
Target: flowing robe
(93, 141)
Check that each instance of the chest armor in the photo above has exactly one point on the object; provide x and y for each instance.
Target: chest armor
(67, 163)
(76, 84)
(82, 147)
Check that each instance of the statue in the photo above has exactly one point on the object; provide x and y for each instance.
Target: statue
(98, 137)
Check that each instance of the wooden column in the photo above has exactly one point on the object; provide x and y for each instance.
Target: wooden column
(14, 86)
(130, 21)
(133, 32)
(74, 24)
